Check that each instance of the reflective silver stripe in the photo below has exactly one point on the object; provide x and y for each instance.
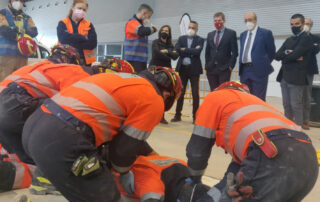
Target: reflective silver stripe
(164, 162)
(252, 127)
(101, 118)
(41, 79)
(137, 29)
(12, 77)
(135, 133)
(102, 95)
(127, 75)
(34, 87)
(2, 88)
(120, 169)
(19, 175)
(235, 116)
(135, 43)
(3, 151)
(204, 132)
(151, 195)
(214, 193)
(196, 172)
(6, 46)
(135, 54)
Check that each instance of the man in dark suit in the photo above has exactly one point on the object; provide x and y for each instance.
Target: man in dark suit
(311, 71)
(189, 67)
(221, 52)
(257, 50)
(295, 56)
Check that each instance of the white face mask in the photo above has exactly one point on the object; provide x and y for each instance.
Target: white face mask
(306, 28)
(191, 32)
(250, 25)
(79, 14)
(146, 22)
(17, 5)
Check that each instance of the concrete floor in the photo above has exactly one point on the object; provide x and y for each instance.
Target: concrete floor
(172, 139)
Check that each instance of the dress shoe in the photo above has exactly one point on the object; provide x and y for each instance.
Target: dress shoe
(176, 119)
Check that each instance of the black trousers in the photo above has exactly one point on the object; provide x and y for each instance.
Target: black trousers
(288, 177)
(216, 79)
(16, 105)
(194, 80)
(55, 145)
(138, 66)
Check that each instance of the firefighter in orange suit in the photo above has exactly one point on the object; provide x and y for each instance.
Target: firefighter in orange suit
(79, 32)
(163, 178)
(272, 159)
(113, 110)
(23, 91)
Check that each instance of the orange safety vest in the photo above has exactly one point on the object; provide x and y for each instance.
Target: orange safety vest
(147, 172)
(231, 117)
(23, 177)
(83, 29)
(45, 78)
(112, 102)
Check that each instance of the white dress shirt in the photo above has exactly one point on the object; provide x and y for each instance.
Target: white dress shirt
(254, 32)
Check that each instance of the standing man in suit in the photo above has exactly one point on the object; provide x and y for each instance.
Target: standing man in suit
(295, 56)
(311, 71)
(221, 52)
(257, 50)
(189, 67)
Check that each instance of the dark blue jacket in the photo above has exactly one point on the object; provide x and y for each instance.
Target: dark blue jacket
(262, 54)
(193, 53)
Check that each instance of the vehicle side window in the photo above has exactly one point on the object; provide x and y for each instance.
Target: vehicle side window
(44, 53)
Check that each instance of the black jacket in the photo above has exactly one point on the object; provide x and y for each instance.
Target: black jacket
(162, 59)
(292, 70)
(225, 56)
(193, 53)
(313, 65)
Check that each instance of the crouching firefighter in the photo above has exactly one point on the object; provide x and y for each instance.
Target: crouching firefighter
(63, 136)
(272, 159)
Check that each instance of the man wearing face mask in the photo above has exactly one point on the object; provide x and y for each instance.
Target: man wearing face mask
(78, 32)
(295, 56)
(13, 23)
(137, 31)
(221, 52)
(257, 50)
(189, 67)
(311, 71)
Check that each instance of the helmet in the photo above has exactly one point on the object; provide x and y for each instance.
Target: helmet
(26, 45)
(115, 65)
(65, 54)
(234, 85)
(167, 79)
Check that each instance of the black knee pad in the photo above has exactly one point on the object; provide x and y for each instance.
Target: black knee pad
(7, 175)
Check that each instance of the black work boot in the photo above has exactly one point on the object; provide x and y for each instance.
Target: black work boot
(163, 120)
(176, 119)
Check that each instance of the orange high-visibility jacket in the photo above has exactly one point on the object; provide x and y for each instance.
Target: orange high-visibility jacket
(45, 79)
(113, 102)
(147, 172)
(231, 117)
(83, 29)
(23, 176)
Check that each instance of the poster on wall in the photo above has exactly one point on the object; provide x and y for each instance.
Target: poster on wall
(184, 23)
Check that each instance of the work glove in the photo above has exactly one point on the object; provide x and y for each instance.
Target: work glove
(126, 181)
(10, 33)
(236, 190)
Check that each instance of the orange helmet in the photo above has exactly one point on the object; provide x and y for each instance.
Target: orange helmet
(234, 85)
(167, 79)
(26, 45)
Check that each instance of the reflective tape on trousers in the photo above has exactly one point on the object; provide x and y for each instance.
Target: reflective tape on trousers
(239, 114)
(151, 195)
(164, 162)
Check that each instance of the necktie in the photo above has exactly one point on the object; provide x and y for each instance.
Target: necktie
(218, 39)
(246, 50)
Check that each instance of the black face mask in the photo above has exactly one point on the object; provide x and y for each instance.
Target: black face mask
(296, 30)
(164, 35)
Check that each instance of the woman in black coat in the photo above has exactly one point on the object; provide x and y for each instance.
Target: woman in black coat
(163, 51)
